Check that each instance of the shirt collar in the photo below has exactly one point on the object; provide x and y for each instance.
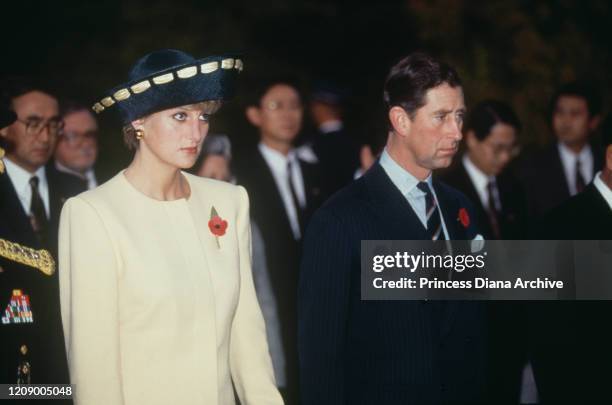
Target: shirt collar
(568, 155)
(603, 189)
(20, 177)
(478, 177)
(276, 160)
(331, 126)
(65, 169)
(403, 179)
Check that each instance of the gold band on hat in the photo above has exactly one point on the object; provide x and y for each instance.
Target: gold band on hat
(209, 67)
(183, 73)
(187, 72)
(140, 87)
(163, 79)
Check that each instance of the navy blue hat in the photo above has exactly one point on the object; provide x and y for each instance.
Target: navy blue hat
(170, 78)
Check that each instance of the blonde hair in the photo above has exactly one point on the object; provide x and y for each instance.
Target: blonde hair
(209, 107)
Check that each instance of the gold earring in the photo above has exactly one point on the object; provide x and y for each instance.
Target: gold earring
(139, 134)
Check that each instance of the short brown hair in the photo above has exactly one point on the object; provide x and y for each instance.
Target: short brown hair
(410, 79)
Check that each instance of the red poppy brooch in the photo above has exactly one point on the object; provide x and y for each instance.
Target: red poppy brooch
(217, 225)
(464, 217)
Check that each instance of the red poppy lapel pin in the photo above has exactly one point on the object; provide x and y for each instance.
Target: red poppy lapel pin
(464, 217)
(217, 225)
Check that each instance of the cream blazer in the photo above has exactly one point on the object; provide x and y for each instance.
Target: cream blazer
(156, 309)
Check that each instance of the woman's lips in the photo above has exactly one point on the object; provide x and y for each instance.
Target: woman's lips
(192, 150)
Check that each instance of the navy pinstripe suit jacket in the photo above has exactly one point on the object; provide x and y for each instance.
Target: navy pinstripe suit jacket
(382, 352)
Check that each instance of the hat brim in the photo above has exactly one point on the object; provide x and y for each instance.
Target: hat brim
(211, 78)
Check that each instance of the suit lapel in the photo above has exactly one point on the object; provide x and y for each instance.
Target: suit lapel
(13, 214)
(312, 190)
(272, 195)
(450, 212)
(391, 207)
(558, 173)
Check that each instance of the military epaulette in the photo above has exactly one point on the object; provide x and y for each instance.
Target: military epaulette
(40, 259)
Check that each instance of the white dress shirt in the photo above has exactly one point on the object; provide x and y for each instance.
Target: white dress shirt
(568, 161)
(277, 162)
(480, 181)
(88, 176)
(331, 126)
(21, 183)
(407, 185)
(603, 189)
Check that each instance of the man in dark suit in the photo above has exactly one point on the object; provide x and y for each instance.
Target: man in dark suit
(574, 356)
(77, 148)
(588, 215)
(283, 192)
(30, 204)
(491, 138)
(563, 169)
(393, 352)
(336, 151)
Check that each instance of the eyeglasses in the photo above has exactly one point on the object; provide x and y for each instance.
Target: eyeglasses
(279, 105)
(75, 138)
(36, 126)
(498, 149)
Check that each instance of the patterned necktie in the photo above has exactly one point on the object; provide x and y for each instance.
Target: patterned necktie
(38, 215)
(580, 183)
(492, 210)
(296, 202)
(434, 224)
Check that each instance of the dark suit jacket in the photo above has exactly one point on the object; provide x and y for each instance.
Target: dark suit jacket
(338, 156)
(572, 354)
(508, 350)
(381, 352)
(43, 337)
(543, 178)
(282, 250)
(512, 196)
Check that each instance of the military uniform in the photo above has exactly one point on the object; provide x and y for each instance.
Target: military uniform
(32, 346)
(28, 326)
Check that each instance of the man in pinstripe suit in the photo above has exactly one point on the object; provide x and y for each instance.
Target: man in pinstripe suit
(393, 352)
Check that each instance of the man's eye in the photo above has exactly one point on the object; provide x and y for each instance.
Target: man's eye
(180, 116)
(35, 124)
(205, 117)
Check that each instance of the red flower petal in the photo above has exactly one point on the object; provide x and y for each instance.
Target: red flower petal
(464, 217)
(217, 226)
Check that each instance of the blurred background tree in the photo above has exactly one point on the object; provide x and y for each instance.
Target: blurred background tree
(515, 50)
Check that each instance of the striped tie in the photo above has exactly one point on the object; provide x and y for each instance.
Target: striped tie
(434, 225)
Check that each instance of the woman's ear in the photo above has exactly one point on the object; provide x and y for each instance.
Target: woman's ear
(138, 124)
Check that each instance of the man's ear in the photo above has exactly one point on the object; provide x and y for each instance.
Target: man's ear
(253, 115)
(400, 121)
(594, 122)
(609, 157)
(470, 139)
(3, 132)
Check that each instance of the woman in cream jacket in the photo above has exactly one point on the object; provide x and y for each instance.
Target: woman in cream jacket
(158, 303)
